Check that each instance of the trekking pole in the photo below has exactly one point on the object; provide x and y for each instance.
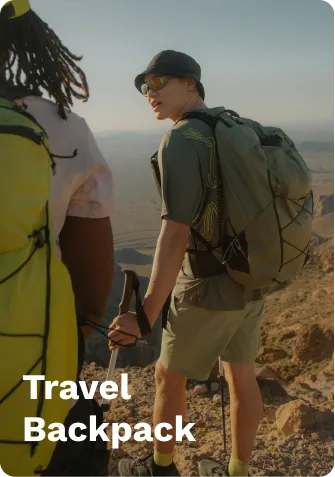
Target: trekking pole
(221, 377)
(123, 308)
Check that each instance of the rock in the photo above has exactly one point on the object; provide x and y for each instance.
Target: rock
(317, 240)
(270, 355)
(269, 381)
(297, 416)
(217, 399)
(325, 258)
(294, 416)
(314, 344)
(288, 335)
(322, 418)
(330, 397)
(324, 205)
(215, 387)
(329, 369)
(200, 389)
(213, 376)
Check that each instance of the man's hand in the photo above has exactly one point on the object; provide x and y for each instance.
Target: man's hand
(126, 323)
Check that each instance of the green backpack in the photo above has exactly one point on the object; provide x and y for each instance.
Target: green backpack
(265, 201)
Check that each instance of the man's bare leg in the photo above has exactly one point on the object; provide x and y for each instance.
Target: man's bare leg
(170, 401)
(245, 414)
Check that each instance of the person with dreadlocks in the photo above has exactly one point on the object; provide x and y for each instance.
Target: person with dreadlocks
(33, 61)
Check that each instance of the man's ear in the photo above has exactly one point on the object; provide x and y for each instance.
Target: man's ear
(191, 84)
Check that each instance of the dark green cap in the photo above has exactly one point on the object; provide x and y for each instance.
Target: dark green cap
(174, 63)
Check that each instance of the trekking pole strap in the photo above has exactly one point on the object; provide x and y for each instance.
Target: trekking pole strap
(142, 319)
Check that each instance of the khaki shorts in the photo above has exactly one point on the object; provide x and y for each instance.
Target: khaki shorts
(195, 338)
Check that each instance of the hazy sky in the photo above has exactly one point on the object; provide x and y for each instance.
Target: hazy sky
(269, 59)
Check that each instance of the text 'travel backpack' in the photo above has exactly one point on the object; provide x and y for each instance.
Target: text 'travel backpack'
(265, 200)
(38, 326)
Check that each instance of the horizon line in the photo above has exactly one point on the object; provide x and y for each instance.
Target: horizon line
(158, 130)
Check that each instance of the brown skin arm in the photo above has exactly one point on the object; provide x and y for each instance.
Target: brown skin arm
(88, 252)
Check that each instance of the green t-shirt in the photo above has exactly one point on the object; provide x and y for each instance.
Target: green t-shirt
(188, 175)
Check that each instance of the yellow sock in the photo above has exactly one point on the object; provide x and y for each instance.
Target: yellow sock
(237, 468)
(163, 459)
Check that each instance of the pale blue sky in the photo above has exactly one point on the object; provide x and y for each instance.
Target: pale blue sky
(268, 59)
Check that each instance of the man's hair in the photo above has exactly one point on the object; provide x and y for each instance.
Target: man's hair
(38, 59)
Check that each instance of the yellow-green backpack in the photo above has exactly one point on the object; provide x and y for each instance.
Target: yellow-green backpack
(38, 328)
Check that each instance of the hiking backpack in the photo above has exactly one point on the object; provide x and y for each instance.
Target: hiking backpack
(38, 326)
(265, 201)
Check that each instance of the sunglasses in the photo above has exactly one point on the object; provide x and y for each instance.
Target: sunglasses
(155, 84)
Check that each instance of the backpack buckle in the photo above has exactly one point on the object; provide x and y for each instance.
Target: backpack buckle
(40, 237)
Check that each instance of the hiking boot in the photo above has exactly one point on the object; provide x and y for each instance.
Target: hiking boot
(209, 467)
(146, 467)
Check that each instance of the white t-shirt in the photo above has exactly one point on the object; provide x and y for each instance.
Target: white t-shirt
(82, 185)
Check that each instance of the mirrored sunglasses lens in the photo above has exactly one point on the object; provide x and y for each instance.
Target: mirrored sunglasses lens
(145, 89)
(157, 82)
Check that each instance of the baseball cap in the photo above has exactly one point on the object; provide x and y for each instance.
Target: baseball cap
(174, 63)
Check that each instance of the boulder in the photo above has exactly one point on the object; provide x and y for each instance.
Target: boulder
(314, 344)
(270, 382)
(268, 355)
(294, 417)
(297, 416)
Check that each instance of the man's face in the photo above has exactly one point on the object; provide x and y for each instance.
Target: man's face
(170, 99)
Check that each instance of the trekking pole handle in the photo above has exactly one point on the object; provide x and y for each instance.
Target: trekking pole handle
(123, 308)
(127, 292)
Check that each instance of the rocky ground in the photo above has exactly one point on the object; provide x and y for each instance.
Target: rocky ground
(295, 435)
(296, 376)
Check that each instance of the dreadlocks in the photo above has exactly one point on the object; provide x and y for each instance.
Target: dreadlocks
(39, 60)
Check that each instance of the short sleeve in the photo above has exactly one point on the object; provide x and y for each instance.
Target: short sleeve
(95, 197)
(181, 184)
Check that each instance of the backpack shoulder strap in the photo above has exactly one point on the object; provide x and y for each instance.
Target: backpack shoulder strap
(202, 116)
(209, 119)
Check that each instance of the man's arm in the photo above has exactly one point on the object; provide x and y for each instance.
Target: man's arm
(181, 197)
(172, 243)
(170, 250)
(88, 252)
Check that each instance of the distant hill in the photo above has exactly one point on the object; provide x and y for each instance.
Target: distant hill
(129, 255)
(316, 147)
(129, 146)
(136, 147)
(301, 131)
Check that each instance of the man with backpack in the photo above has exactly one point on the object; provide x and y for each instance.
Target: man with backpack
(33, 60)
(225, 238)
